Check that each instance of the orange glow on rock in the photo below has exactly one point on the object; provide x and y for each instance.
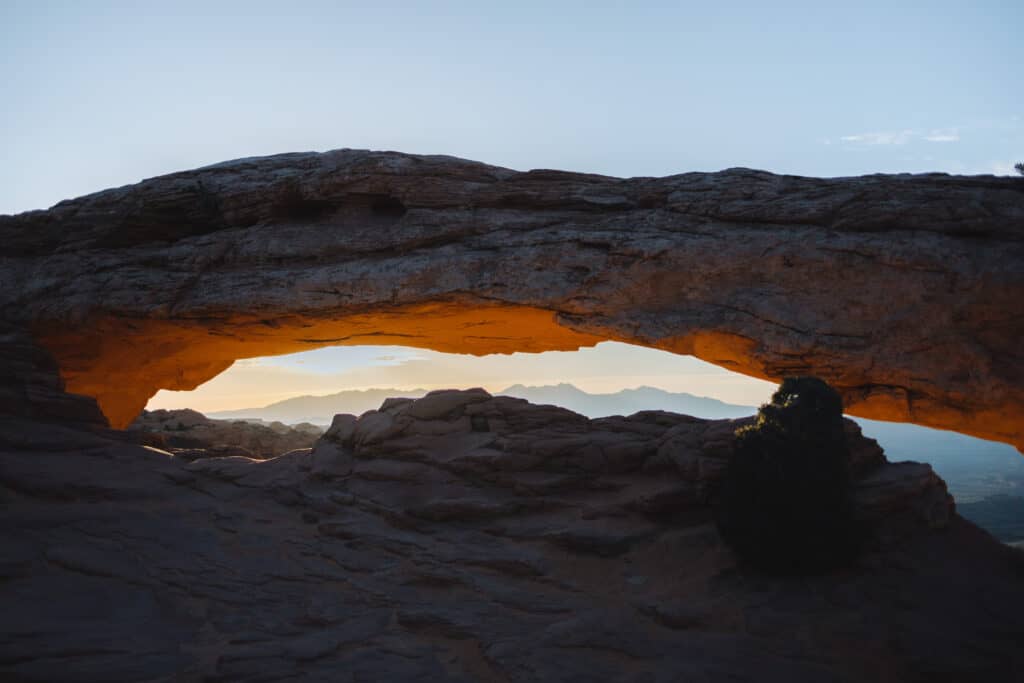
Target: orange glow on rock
(123, 362)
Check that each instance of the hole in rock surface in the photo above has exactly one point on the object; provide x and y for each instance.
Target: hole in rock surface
(309, 388)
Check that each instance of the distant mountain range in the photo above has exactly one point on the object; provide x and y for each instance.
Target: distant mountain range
(985, 477)
(320, 410)
(627, 401)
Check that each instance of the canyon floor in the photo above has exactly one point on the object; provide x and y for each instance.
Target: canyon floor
(467, 537)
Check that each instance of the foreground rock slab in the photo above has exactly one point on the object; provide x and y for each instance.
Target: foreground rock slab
(903, 292)
(466, 537)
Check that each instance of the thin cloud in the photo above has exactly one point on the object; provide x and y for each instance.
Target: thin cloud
(902, 137)
(943, 135)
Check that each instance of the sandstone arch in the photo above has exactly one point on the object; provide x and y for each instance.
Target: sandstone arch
(902, 291)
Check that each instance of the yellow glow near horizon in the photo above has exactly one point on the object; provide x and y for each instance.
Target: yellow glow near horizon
(606, 368)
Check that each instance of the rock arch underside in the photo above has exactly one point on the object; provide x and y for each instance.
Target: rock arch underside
(903, 291)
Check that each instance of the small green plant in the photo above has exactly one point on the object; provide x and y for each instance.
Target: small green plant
(785, 502)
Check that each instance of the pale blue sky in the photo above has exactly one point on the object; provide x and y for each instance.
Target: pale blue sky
(97, 94)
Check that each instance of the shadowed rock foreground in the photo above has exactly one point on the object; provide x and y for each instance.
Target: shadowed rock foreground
(467, 537)
(902, 292)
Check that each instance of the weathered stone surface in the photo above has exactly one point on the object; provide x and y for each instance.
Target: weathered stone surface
(548, 547)
(184, 430)
(905, 486)
(31, 386)
(901, 291)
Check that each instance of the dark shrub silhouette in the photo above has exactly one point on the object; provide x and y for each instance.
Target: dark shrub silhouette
(1019, 167)
(785, 505)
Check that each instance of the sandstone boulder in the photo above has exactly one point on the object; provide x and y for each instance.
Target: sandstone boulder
(199, 436)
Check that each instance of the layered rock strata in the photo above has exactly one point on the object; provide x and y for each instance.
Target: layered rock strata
(466, 537)
(903, 291)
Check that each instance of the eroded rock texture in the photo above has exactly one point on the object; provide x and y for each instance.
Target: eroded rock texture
(188, 433)
(904, 292)
(466, 537)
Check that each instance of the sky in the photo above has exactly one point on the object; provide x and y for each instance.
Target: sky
(605, 368)
(100, 94)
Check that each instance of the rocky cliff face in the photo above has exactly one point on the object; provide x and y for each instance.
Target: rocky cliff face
(466, 537)
(901, 291)
(190, 434)
(462, 536)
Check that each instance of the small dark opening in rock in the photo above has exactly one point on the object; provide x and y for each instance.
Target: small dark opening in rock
(293, 205)
(386, 205)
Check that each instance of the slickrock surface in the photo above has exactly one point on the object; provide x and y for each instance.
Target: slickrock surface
(902, 291)
(466, 537)
(190, 434)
